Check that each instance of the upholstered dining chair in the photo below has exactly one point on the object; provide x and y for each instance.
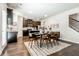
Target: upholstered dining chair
(33, 39)
(54, 36)
(46, 40)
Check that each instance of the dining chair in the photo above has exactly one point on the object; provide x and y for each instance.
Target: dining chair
(46, 40)
(34, 40)
(54, 36)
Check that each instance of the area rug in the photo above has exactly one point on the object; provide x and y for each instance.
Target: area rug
(35, 50)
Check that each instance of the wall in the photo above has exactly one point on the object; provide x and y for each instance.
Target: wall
(20, 26)
(3, 41)
(0, 29)
(66, 32)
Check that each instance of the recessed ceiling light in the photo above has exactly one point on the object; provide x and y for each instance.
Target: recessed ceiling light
(45, 15)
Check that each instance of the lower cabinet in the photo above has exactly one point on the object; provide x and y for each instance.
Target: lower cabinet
(11, 37)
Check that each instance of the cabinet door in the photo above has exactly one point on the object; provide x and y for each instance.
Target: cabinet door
(9, 16)
(38, 22)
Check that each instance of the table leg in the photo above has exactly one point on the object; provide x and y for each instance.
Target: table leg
(41, 41)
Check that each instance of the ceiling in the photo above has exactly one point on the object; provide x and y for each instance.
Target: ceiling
(42, 10)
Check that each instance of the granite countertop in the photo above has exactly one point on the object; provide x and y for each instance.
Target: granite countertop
(12, 28)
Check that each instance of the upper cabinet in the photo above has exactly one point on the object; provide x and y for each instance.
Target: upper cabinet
(9, 16)
(38, 22)
(25, 23)
(30, 23)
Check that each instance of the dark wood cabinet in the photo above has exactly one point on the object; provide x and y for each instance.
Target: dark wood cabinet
(30, 23)
(25, 24)
(11, 37)
(38, 23)
(25, 32)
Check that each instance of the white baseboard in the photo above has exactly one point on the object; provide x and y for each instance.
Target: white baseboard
(70, 40)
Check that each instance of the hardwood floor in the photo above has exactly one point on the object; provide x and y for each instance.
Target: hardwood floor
(18, 49)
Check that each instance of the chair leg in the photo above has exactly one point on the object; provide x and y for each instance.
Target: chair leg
(37, 43)
(31, 43)
(51, 43)
(57, 42)
(47, 44)
(54, 42)
(43, 41)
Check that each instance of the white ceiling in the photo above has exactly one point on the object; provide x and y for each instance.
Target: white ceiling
(42, 10)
